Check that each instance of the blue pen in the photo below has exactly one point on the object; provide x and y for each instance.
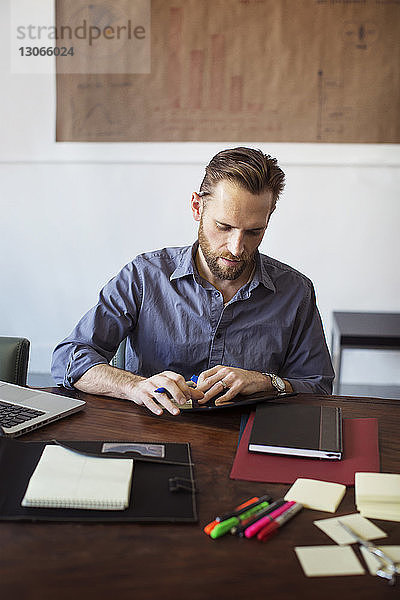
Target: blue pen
(162, 390)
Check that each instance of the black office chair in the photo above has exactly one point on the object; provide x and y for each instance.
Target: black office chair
(14, 356)
(119, 359)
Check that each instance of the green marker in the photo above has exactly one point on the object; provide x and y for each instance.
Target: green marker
(225, 526)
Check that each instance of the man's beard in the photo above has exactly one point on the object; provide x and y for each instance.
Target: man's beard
(223, 272)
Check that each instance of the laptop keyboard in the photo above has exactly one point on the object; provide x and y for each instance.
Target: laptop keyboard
(11, 415)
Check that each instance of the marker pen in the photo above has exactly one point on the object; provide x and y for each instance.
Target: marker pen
(238, 511)
(191, 383)
(240, 529)
(224, 527)
(270, 529)
(207, 529)
(253, 529)
(161, 390)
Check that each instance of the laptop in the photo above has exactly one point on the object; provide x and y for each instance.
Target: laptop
(23, 409)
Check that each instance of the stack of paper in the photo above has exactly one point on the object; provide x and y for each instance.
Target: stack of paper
(378, 495)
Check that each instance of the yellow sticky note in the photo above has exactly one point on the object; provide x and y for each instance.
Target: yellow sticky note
(325, 561)
(188, 404)
(319, 495)
(377, 487)
(389, 511)
(358, 524)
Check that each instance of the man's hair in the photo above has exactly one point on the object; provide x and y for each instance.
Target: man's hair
(248, 168)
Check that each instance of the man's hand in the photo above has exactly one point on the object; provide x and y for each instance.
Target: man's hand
(109, 381)
(177, 390)
(231, 381)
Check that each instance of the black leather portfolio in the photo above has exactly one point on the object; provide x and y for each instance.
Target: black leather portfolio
(297, 430)
(163, 484)
(237, 402)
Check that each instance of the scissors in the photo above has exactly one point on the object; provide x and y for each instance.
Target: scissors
(386, 571)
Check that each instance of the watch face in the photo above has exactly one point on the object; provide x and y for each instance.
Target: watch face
(280, 384)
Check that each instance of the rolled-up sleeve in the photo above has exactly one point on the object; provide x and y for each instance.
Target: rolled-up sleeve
(308, 366)
(96, 337)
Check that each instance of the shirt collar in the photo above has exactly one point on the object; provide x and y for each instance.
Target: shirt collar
(187, 266)
(261, 275)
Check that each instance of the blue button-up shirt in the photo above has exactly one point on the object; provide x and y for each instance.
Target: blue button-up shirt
(175, 320)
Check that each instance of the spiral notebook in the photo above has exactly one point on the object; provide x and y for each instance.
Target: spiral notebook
(67, 479)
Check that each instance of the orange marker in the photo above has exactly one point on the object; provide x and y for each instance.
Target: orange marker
(208, 528)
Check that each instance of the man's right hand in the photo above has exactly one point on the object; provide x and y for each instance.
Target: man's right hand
(177, 390)
(109, 381)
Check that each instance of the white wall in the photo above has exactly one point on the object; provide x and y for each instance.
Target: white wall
(73, 214)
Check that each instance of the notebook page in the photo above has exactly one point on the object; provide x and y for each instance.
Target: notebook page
(67, 479)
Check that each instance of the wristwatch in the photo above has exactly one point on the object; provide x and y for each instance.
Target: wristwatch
(277, 382)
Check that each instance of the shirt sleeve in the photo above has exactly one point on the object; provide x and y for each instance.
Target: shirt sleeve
(98, 334)
(308, 365)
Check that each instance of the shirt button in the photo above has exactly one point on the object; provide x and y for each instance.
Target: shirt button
(218, 335)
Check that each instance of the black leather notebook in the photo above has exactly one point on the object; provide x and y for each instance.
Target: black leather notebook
(237, 402)
(163, 485)
(297, 430)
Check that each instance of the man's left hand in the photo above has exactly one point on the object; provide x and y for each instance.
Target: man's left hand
(231, 381)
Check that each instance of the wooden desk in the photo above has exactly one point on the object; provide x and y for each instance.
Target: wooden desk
(178, 561)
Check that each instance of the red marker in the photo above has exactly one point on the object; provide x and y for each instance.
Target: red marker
(272, 527)
(256, 527)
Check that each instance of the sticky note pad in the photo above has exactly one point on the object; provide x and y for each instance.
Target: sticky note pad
(389, 511)
(359, 525)
(319, 495)
(377, 487)
(374, 563)
(378, 495)
(325, 561)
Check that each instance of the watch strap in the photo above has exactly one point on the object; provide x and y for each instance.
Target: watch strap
(275, 380)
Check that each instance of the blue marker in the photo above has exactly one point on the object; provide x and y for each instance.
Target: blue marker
(162, 390)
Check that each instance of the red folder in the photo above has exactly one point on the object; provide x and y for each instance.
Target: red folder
(360, 453)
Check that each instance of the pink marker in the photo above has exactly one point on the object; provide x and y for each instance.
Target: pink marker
(255, 528)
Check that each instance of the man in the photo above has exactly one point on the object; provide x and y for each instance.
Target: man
(242, 321)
